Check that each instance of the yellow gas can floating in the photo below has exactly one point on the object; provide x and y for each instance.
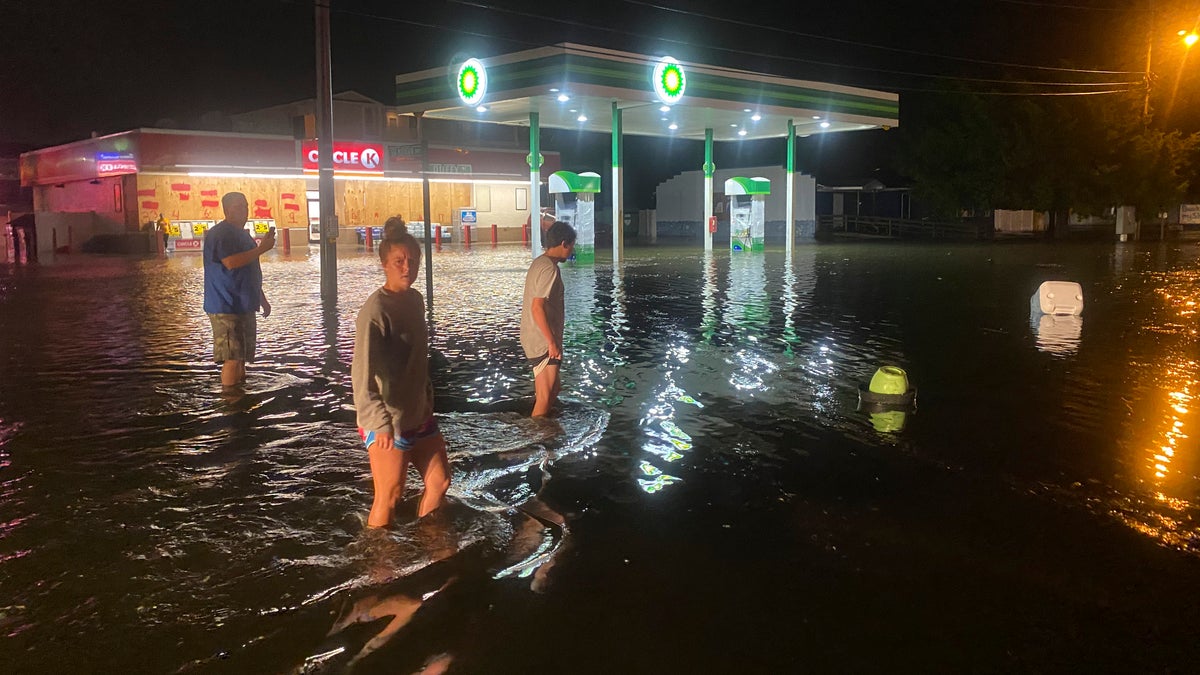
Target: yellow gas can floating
(889, 387)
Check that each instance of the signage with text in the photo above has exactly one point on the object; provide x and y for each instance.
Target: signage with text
(1189, 214)
(115, 163)
(347, 157)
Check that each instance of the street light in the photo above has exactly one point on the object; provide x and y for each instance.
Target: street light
(1188, 38)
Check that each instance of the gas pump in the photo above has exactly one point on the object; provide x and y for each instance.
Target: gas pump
(747, 199)
(575, 204)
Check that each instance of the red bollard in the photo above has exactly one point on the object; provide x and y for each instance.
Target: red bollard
(467, 235)
(493, 234)
(369, 240)
(437, 236)
(287, 240)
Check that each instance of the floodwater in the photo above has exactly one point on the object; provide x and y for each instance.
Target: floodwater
(711, 498)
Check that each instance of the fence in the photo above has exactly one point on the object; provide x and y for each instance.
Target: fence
(898, 228)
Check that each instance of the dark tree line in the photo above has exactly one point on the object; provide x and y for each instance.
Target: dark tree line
(1052, 153)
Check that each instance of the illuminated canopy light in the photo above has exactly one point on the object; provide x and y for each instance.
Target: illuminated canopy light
(668, 80)
(472, 82)
(824, 125)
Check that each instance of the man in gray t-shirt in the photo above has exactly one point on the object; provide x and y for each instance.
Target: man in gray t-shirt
(543, 316)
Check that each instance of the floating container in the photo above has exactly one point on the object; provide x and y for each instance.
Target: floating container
(1057, 297)
(889, 387)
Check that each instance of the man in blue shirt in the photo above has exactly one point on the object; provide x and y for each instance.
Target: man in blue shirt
(233, 288)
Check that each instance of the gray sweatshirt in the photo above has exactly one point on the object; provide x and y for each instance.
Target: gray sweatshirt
(390, 371)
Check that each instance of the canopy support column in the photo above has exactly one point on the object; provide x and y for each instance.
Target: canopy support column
(791, 187)
(618, 210)
(709, 168)
(535, 186)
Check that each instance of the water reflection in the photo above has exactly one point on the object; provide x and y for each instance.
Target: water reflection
(708, 302)
(1057, 334)
(747, 312)
(1162, 394)
(197, 533)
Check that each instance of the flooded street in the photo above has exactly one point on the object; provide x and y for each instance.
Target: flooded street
(711, 499)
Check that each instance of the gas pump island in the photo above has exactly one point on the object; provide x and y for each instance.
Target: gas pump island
(575, 204)
(746, 201)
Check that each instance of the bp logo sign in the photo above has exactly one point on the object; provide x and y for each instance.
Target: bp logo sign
(669, 81)
(472, 82)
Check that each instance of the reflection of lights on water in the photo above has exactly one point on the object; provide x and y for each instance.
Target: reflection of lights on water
(649, 469)
(684, 398)
(1057, 334)
(671, 428)
(657, 483)
(753, 366)
(679, 352)
(667, 453)
(1161, 459)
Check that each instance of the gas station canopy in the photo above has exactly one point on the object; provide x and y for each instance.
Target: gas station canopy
(573, 86)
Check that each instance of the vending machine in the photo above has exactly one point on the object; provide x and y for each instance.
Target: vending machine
(747, 199)
(575, 204)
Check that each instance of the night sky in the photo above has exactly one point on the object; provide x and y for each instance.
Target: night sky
(70, 68)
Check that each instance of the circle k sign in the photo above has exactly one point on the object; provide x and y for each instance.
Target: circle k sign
(347, 157)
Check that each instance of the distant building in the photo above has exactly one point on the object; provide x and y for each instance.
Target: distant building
(114, 185)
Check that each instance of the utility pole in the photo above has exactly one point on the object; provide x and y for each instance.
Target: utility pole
(1149, 53)
(324, 115)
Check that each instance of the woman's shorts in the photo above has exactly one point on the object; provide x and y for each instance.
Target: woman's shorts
(539, 363)
(407, 439)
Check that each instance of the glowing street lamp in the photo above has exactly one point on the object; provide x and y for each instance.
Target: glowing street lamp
(1189, 38)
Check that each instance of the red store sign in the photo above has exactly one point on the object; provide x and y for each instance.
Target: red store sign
(347, 157)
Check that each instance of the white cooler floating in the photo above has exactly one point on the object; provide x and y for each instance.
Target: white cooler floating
(1057, 297)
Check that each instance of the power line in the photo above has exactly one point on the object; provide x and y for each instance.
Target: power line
(855, 43)
(1017, 93)
(743, 52)
(1087, 8)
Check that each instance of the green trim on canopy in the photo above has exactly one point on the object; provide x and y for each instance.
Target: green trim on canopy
(740, 185)
(574, 86)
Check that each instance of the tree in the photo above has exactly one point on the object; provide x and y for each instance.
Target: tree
(1081, 153)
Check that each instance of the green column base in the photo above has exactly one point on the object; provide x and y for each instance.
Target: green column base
(585, 254)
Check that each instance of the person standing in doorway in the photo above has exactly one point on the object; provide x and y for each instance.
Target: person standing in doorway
(393, 395)
(233, 288)
(543, 316)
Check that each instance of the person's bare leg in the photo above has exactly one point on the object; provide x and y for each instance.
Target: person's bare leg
(543, 391)
(429, 456)
(554, 392)
(232, 373)
(388, 466)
